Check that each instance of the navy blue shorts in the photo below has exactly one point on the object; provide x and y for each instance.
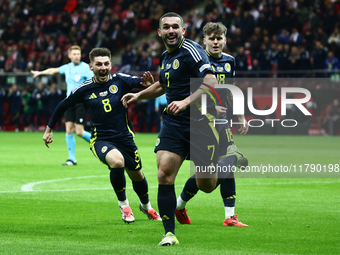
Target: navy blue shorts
(127, 148)
(226, 138)
(76, 114)
(199, 144)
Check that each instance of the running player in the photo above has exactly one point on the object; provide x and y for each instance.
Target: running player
(182, 60)
(76, 72)
(112, 140)
(223, 65)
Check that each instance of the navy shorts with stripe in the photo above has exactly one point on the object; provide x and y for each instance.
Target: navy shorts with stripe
(127, 148)
(225, 138)
(177, 140)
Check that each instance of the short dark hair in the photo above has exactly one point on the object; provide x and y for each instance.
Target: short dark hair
(170, 14)
(214, 27)
(99, 52)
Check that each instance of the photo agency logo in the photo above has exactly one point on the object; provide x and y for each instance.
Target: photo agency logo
(239, 103)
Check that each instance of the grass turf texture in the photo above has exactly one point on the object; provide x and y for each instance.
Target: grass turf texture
(77, 212)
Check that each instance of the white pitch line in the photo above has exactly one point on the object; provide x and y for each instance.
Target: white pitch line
(29, 187)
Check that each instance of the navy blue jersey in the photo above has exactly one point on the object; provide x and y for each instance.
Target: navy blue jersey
(188, 61)
(103, 105)
(224, 68)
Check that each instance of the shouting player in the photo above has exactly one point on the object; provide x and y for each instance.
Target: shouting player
(112, 140)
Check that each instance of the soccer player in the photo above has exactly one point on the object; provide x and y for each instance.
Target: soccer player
(223, 65)
(112, 140)
(182, 60)
(76, 72)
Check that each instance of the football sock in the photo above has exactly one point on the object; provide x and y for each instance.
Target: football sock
(167, 205)
(141, 189)
(189, 191)
(123, 203)
(228, 193)
(118, 182)
(86, 136)
(146, 206)
(226, 163)
(71, 146)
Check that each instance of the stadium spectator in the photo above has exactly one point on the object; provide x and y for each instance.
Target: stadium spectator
(144, 63)
(331, 63)
(40, 102)
(54, 98)
(2, 99)
(304, 60)
(27, 109)
(318, 59)
(129, 58)
(14, 98)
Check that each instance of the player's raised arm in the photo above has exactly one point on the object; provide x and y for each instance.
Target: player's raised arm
(49, 71)
(155, 90)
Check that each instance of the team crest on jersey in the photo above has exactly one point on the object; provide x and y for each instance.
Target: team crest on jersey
(77, 77)
(168, 66)
(175, 64)
(113, 89)
(220, 69)
(104, 149)
(158, 141)
(227, 67)
(103, 94)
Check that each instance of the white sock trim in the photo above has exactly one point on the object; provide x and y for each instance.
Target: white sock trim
(180, 203)
(146, 206)
(229, 212)
(123, 203)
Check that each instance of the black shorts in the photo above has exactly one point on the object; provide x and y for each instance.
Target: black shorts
(127, 148)
(76, 114)
(226, 138)
(198, 144)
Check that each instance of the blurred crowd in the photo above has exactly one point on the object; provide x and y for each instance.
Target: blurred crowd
(264, 36)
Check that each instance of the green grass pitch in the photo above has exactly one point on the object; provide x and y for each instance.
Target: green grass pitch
(49, 209)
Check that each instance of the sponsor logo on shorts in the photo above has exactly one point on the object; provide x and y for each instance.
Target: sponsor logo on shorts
(81, 120)
(175, 64)
(113, 89)
(158, 141)
(104, 149)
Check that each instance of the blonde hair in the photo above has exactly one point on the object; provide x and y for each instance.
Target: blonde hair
(216, 28)
(73, 47)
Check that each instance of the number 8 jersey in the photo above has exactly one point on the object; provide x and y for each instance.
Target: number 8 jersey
(103, 105)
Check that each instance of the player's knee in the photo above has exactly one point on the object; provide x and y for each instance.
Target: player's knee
(207, 186)
(164, 177)
(79, 132)
(115, 162)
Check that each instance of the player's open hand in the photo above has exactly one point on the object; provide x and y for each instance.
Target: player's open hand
(177, 106)
(220, 110)
(48, 136)
(35, 73)
(244, 126)
(129, 98)
(147, 79)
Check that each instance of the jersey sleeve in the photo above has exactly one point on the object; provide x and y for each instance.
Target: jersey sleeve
(198, 60)
(131, 81)
(62, 69)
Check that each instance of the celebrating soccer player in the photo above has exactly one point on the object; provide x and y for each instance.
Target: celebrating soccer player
(182, 60)
(223, 65)
(75, 72)
(112, 136)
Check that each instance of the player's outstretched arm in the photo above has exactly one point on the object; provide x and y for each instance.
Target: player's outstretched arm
(49, 71)
(155, 90)
(48, 136)
(147, 79)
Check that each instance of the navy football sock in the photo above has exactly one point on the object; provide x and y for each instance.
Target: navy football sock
(118, 182)
(141, 189)
(190, 189)
(228, 192)
(227, 164)
(167, 206)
